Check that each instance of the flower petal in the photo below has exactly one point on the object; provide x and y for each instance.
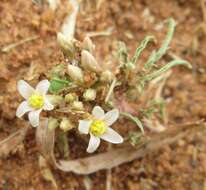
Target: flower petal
(23, 108)
(34, 117)
(98, 112)
(112, 136)
(42, 87)
(84, 126)
(47, 105)
(111, 116)
(93, 143)
(24, 89)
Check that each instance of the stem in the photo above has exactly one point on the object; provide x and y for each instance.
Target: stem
(110, 90)
(134, 119)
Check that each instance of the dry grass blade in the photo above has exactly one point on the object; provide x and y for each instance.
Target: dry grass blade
(203, 6)
(46, 172)
(45, 140)
(53, 4)
(87, 182)
(99, 3)
(109, 94)
(109, 180)
(115, 157)
(13, 45)
(154, 125)
(106, 32)
(10, 143)
(68, 28)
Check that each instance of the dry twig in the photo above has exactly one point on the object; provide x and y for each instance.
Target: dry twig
(9, 47)
(115, 157)
(10, 143)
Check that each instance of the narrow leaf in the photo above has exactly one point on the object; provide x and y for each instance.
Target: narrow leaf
(134, 119)
(155, 56)
(168, 39)
(165, 68)
(122, 54)
(142, 46)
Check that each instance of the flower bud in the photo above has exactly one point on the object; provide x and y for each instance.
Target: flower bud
(88, 62)
(106, 76)
(75, 73)
(66, 125)
(53, 123)
(77, 105)
(130, 66)
(71, 97)
(67, 45)
(55, 99)
(89, 94)
(88, 45)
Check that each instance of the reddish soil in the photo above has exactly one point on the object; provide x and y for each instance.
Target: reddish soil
(181, 166)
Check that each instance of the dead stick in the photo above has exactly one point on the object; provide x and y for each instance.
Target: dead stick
(13, 45)
(10, 143)
(115, 157)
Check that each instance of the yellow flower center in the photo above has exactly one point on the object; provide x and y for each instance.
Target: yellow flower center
(98, 128)
(36, 101)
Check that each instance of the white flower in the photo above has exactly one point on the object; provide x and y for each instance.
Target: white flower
(98, 127)
(35, 100)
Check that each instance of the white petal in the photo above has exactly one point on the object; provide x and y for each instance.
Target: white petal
(111, 116)
(42, 87)
(34, 117)
(112, 136)
(93, 144)
(98, 112)
(84, 126)
(24, 89)
(23, 108)
(47, 105)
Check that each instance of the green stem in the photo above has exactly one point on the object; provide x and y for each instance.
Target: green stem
(134, 119)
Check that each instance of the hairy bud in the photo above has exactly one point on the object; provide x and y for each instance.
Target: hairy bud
(88, 62)
(106, 76)
(71, 97)
(75, 73)
(130, 66)
(66, 125)
(90, 94)
(67, 45)
(88, 45)
(77, 105)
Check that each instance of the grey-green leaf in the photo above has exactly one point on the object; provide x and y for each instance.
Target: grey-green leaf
(134, 119)
(157, 55)
(141, 47)
(165, 68)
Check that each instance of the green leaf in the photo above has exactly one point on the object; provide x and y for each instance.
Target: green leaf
(148, 112)
(141, 47)
(135, 138)
(165, 68)
(122, 54)
(168, 39)
(134, 119)
(57, 84)
(62, 144)
(157, 55)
